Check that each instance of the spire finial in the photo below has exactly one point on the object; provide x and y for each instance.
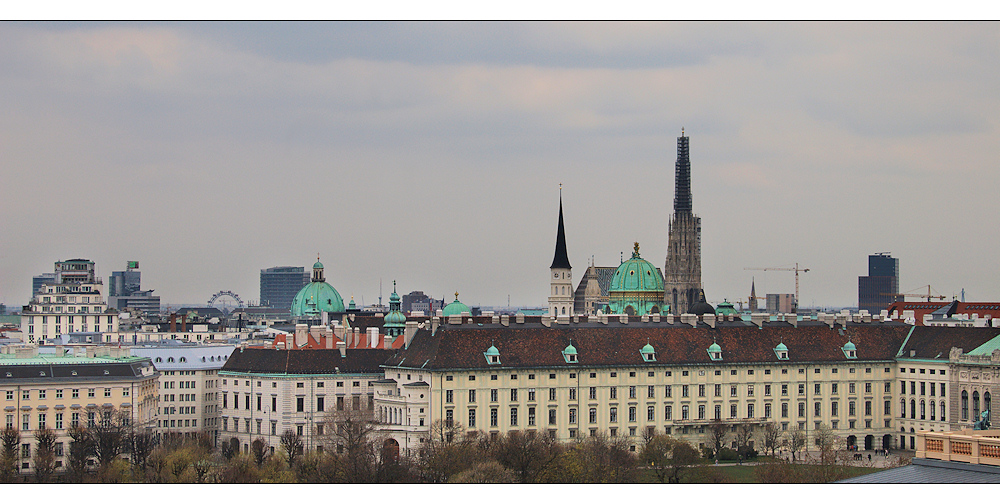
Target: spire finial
(682, 130)
(635, 250)
(456, 295)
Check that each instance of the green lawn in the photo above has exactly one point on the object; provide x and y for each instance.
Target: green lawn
(749, 474)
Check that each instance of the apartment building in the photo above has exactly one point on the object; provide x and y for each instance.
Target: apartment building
(72, 302)
(189, 385)
(72, 387)
(267, 391)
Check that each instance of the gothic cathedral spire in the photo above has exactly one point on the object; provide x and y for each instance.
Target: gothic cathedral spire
(682, 272)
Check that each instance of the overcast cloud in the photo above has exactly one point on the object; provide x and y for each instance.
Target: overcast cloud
(432, 153)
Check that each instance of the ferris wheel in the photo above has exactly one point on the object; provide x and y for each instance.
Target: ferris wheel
(225, 301)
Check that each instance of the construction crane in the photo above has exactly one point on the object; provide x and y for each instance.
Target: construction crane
(796, 269)
(927, 296)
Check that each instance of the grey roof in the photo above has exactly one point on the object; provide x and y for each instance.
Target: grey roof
(932, 471)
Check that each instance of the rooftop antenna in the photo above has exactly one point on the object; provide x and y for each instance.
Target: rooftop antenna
(380, 290)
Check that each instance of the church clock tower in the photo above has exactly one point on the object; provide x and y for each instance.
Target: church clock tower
(560, 274)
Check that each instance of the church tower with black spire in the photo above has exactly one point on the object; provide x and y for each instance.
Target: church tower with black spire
(682, 272)
(560, 274)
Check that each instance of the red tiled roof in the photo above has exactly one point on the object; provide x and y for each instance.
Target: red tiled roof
(530, 345)
(306, 361)
(935, 342)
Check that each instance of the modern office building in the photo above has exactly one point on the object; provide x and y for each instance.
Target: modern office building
(877, 290)
(125, 292)
(780, 303)
(73, 302)
(280, 284)
(38, 280)
(418, 301)
(73, 387)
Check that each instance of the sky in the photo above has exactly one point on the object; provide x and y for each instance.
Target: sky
(432, 153)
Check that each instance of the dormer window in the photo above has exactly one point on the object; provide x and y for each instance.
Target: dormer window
(570, 354)
(781, 351)
(492, 355)
(648, 353)
(850, 351)
(715, 352)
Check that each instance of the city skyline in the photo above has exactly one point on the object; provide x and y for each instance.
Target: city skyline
(210, 151)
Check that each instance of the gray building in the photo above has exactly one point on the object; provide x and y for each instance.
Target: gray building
(125, 291)
(875, 291)
(38, 280)
(280, 284)
(418, 301)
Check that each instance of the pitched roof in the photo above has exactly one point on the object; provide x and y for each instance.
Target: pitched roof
(615, 344)
(561, 258)
(932, 471)
(935, 342)
(325, 361)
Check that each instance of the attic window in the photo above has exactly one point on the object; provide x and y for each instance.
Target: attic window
(170, 359)
(159, 359)
(494, 359)
(648, 353)
(570, 358)
(106, 372)
(716, 356)
(183, 359)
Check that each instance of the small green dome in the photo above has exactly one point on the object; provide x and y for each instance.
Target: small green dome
(492, 351)
(570, 350)
(394, 318)
(781, 348)
(351, 305)
(455, 307)
(715, 348)
(725, 308)
(648, 349)
(393, 297)
(849, 346)
(317, 265)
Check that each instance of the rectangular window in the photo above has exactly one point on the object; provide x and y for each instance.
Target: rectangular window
(572, 415)
(41, 394)
(868, 408)
(59, 421)
(851, 389)
(513, 417)
(767, 389)
(531, 416)
(552, 394)
(631, 392)
(472, 396)
(668, 412)
(320, 403)
(802, 389)
(750, 413)
(887, 408)
(552, 417)
(868, 387)
(816, 409)
(494, 417)
(300, 404)
(25, 420)
(732, 411)
(667, 391)
(767, 410)
(593, 415)
(614, 392)
(650, 413)
(614, 414)
(572, 394)
(513, 395)
(851, 408)
(685, 412)
(701, 391)
(932, 388)
(684, 390)
(733, 392)
(449, 396)
(833, 388)
(923, 388)
(494, 395)
(816, 388)
(784, 410)
(651, 393)
(593, 393)
(718, 390)
(631, 413)
(472, 417)
(750, 390)
(784, 389)
(834, 408)
(701, 411)
(356, 402)
(802, 409)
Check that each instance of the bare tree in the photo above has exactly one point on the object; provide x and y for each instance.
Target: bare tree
(668, 457)
(796, 440)
(525, 453)
(11, 440)
(141, 445)
(770, 437)
(744, 434)
(717, 432)
(45, 454)
(259, 448)
(825, 441)
(110, 436)
(290, 442)
(81, 448)
(448, 451)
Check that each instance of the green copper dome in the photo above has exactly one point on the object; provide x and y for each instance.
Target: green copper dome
(725, 308)
(492, 350)
(715, 348)
(455, 307)
(647, 349)
(781, 348)
(317, 296)
(394, 321)
(849, 346)
(570, 350)
(636, 287)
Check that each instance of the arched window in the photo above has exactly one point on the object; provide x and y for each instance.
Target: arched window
(975, 405)
(159, 359)
(965, 405)
(184, 359)
(913, 409)
(563, 310)
(902, 408)
(170, 359)
(942, 411)
(923, 410)
(986, 401)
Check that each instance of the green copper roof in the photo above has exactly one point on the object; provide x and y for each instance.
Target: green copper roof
(455, 307)
(315, 298)
(987, 348)
(647, 349)
(636, 274)
(781, 348)
(317, 265)
(849, 346)
(570, 350)
(725, 308)
(492, 350)
(715, 348)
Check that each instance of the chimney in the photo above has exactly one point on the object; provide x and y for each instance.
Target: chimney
(435, 324)
(670, 318)
(454, 319)
(792, 318)
(301, 335)
(656, 318)
(373, 337)
(692, 319)
(519, 318)
(604, 318)
(757, 319)
(173, 322)
(184, 323)
(831, 319)
(710, 320)
(546, 321)
(343, 349)
(576, 319)
(505, 320)
(409, 332)
(494, 319)
(623, 318)
(644, 318)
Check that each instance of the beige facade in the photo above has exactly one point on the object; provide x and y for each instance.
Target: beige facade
(60, 391)
(852, 398)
